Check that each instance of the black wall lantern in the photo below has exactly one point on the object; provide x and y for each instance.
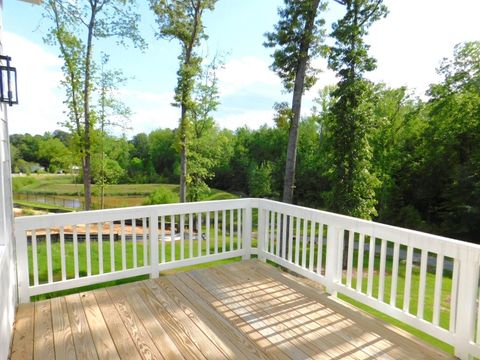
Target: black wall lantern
(8, 82)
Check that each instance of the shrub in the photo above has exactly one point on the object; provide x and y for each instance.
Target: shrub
(161, 196)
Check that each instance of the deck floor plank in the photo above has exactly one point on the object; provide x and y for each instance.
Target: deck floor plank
(181, 326)
(215, 320)
(337, 331)
(222, 340)
(294, 314)
(62, 333)
(134, 325)
(82, 338)
(155, 328)
(22, 346)
(371, 343)
(318, 342)
(44, 347)
(123, 342)
(245, 310)
(101, 336)
(281, 336)
(265, 344)
(405, 344)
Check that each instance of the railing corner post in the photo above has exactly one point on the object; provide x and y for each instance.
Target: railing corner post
(154, 267)
(21, 252)
(261, 234)
(247, 233)
(331, 265)
(466, 303)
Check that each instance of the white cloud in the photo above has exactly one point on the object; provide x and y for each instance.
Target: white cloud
(410, 43)
(150, 110)
(40, 105)
(250, 118)
(247, 74)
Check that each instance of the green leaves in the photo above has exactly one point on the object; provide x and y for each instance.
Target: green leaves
(298, 36)
(182, 20)
(351, 126)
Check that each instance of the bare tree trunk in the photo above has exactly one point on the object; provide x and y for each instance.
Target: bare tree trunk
(86, 182)
(291, 162)
(87, 176)
(183, 155)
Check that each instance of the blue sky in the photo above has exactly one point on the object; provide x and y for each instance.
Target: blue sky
(408, 45)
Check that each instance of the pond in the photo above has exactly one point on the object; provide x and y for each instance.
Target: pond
(76, 202)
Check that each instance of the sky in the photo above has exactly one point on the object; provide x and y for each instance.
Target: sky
(408, 45)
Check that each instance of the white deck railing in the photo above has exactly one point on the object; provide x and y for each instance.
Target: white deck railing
(426, 281)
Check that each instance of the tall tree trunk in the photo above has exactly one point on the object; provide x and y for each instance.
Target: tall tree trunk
(87, 176)
(291, 162)
(183, 155)
(184, 102)
(86, 181)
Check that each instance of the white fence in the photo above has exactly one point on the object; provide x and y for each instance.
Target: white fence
(426, 281)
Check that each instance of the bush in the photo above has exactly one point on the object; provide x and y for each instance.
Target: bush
(161, 196)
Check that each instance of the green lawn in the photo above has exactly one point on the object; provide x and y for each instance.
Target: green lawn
(129, 249)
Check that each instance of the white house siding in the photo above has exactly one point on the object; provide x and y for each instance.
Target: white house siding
(8, 277)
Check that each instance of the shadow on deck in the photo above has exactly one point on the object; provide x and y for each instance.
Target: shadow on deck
(246, 310)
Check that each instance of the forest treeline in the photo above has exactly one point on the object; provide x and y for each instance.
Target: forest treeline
(425, 154)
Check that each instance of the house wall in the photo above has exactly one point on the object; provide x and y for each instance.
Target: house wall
(8, 277)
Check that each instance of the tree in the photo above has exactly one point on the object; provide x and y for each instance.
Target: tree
(54, 155)
(75, 27)
(182, 20)
(260, 180)
(351, 122)
(297, 39)
(112, 112)
(207, 143)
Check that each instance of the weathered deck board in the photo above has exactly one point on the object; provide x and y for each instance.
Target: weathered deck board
(22, 347)
(62, 333)
(43, 346)
(246, 310)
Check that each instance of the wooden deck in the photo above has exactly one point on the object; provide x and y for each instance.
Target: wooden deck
(246, 310)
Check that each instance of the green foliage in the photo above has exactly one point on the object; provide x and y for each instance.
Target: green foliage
(207, 144)
(351, 123)
(74, 28)
(298, 35)
(297, 41)
(260, 180)
(161, 196)
(54, 155)
(182, 20)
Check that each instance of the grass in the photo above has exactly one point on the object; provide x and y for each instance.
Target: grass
(41, 206)
(62, 190)
(129, 250)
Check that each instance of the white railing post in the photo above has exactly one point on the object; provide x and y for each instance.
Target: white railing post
(247, 232)
(466, 302)
(154, 267)
(21, 249)
(331, 261)
(261, 228)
